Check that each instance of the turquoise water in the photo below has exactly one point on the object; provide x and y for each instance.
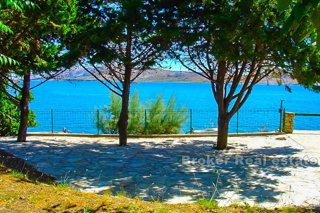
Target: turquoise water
(73, 104)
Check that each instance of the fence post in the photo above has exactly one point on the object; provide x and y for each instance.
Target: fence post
(288, 122)
(281, 116)
(191, 128)
(98, 121)
(52, 121)
(145, 121)
(237, 122)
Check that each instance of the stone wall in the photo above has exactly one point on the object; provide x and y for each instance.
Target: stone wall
(288, 122)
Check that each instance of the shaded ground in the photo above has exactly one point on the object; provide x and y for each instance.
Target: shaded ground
(270, 171)
(13, 163)
(19, 194)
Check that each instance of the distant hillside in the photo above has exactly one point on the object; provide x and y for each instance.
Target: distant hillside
(156, 75)
(147, 76)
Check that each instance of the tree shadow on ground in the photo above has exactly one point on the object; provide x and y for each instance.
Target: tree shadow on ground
(166, 169)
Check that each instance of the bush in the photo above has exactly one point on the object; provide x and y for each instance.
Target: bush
(151, 118)
(10, 117)
(164, 119)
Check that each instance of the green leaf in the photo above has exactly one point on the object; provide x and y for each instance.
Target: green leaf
(5, 60)
(300, 10)
(4, 28)
(289, 24)
(315, 18)
(283, 5)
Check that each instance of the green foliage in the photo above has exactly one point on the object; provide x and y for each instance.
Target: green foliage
(157, 119)
(18, 175)
(304, 65)
(10, 117)
(208, 204)
(155, 116)
(164, 119)
(135, 123)
(63, 186)
(283, 4)
(122, 193)
(85, 210)
(5, 60)
(13, 6)
(111, 124)
(162, 210)
(303, 19)
(31, 33)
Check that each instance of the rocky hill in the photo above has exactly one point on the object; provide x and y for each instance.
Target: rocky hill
(158, 75)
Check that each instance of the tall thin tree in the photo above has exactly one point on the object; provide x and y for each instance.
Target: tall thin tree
(234, 45)
(120, 45)
(35, 42)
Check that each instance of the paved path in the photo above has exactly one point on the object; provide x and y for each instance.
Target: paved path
(270, 170)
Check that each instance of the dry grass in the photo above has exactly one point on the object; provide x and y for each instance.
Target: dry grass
(22, 195)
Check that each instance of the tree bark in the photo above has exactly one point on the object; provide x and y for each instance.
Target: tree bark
(24, 108)
(223, 104)
(124, 114)
(223, 126)
(1, 82)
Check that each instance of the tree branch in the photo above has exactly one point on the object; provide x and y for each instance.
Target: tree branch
(106, 85)
(48, 78)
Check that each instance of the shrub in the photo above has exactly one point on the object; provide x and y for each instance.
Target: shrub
(136, 116)
(151, 118)
(18, 175)
(10, 117)
(165, 119)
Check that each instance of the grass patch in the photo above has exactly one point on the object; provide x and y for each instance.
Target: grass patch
(26, 196)
(18, 175)
(162, 210)
(122, 193)
(208, 204)
(86, 211)
(63, 186)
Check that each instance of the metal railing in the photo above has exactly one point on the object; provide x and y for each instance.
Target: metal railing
(307, 121)
(80, 121)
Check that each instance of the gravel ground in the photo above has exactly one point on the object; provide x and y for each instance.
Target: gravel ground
(269, 171)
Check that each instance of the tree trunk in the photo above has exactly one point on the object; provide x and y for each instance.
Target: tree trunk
(24, 109)
(1, 82)
(124, 115)
(223, 126)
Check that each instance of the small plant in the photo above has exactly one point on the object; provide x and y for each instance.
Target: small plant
(164, 119)
(157, 118)
(162, 210)
(9, 116)
(215, 184)
(209, 204)
(107, 192)
(18, 175)
(156, 199)
(64, 183)
(62, 186)
(122, 193)
(85, 210)
(136, 115)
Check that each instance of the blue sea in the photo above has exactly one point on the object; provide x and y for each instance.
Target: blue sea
(73, 104)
